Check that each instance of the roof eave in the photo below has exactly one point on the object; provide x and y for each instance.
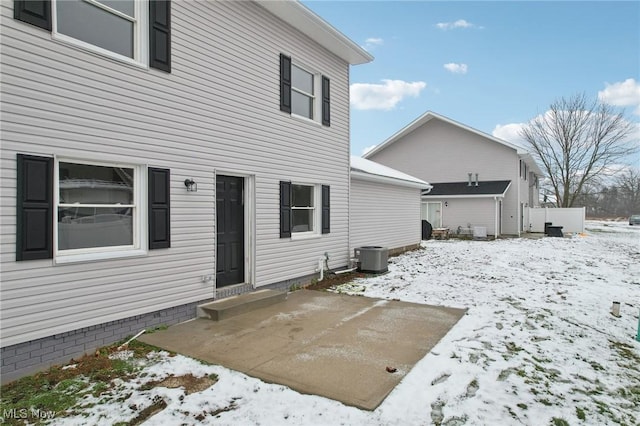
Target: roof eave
(306, 21)
(388, 180)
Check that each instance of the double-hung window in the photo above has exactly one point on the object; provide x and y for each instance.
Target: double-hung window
(97, 208)
(110, 26)
(83, 210)
(303, 208)
(134, 31)
(302, 92)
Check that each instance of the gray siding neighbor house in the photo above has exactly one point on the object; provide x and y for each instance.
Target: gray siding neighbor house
(384, 207)
(175, 153)
(478, 180)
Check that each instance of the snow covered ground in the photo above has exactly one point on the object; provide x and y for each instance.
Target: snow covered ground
(538, 345)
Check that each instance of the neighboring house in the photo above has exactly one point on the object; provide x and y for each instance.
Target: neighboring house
(384, 207)
(161, 155)
(478, 180)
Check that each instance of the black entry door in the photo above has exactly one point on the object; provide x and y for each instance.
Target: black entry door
(230, 231)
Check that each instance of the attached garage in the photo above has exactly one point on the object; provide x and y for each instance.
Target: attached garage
(384, 207)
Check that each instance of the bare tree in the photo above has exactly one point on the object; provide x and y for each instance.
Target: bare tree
(628, 183)
(577, 141)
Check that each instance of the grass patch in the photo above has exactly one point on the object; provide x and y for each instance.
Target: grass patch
(580, 413)
(58, 389)
(556, 421)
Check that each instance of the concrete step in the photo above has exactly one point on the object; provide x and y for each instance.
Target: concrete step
(236, 305)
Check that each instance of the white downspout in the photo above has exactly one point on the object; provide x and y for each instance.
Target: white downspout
(496, 215)
(321, 268)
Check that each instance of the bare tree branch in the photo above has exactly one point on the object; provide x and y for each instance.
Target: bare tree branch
(577, 142)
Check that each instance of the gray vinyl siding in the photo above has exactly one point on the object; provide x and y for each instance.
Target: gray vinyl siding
(218, 111)
(462, 212)
(439, 152)
(384, 215)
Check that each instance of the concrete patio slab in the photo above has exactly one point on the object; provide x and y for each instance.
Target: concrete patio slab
(320, 343)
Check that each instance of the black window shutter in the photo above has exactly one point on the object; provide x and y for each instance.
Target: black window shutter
(285, 83)
(159, 209)
(326, 104)
(34, 212)
(160, 34)
(326, 204)
(285, 209)
(34, 12)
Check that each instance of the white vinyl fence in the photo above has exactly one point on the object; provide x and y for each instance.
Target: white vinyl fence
(571, 219)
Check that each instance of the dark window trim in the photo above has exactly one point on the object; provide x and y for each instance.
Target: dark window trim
(326, 209)
(34, 12)
(326, 102)
(285, 83)
(159, 27)
(34, 213)
(285, 209)
(160, 205)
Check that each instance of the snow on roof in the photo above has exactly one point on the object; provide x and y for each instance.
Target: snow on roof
(363, 168)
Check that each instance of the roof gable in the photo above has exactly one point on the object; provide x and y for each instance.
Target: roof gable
(428, 116)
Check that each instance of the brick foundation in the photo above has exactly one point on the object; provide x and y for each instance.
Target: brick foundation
(38, 355)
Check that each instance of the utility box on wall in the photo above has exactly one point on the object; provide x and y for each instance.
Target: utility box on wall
(373, 259)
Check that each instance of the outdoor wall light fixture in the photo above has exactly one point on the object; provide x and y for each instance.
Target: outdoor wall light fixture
(191, 185)
(446, 204)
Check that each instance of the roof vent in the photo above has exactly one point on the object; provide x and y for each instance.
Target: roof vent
(476, 179)
(470, 177)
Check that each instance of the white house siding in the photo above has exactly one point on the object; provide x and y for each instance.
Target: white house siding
(218, 110)
(384, 215)
(440, 152)
(462, 212)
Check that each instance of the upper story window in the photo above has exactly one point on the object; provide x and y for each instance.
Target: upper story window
(134, 31)
(112, 25)
(304, 93)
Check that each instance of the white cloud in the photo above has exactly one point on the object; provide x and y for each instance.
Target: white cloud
(456, 68)
(510, 133)
(460, 23)
(384, 96)
(372, 42)
(624, 93)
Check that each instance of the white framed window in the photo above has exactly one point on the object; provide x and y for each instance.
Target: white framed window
(98, 210)
(117, 28)
(303, 92)
(304, 212)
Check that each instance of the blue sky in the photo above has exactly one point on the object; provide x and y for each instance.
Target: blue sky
(490, 65)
